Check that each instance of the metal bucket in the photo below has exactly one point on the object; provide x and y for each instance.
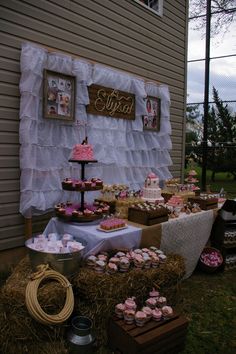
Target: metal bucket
(64, 263)
(80, 336)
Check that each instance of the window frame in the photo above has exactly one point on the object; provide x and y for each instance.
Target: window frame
(159, 13)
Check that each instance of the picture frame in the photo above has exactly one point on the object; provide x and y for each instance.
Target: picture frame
(151, 121)
(59, 95)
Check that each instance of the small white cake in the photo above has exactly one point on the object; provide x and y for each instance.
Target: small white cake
(151, 190)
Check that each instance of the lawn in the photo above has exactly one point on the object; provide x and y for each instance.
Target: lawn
(222, 180)
(209, 302)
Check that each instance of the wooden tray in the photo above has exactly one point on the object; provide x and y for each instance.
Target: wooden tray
(147, 217)
(205, 204)
(163, 337)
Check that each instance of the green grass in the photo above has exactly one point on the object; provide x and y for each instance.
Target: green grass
(209, 302)
(222, 180)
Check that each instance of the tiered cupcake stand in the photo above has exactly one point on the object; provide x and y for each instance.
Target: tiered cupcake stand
(80, 212)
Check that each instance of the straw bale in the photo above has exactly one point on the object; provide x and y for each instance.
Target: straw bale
(95, 297)
(17, 328)
(97, 294)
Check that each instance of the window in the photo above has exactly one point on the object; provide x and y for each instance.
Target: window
(153, 5)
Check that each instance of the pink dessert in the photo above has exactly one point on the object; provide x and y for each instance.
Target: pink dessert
(154, 293)
(167, 312)
(151, 302)
(119, 310)
(82, 151)
(175, 201)
(156, 314)
(129, 316)
(130, 304)
(111, 268)
(140, 318)
(148, 312)
(112, 224)
(161, 301)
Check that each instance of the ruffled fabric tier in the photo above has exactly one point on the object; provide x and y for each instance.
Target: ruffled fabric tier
(125, 152)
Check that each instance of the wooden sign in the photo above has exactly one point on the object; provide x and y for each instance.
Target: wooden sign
(110, 102)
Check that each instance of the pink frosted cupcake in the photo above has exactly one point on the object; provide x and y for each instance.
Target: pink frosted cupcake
(156, 314)
(140, 318)
(151, 302)
(119, 310)
(114, 260)
(91, 261)
(148, 312)
(100, 266)
(130, 304)
(154, 293)
(124, 264)
(129, 316)
(161, 301)
(112, 268)
(167, 312)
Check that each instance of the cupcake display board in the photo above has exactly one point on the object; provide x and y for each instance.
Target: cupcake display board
(81, 212)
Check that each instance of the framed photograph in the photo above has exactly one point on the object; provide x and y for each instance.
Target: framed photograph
(58, 96)
(151, 121)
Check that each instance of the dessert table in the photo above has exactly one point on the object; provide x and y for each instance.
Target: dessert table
(97, 240)
(186, 235)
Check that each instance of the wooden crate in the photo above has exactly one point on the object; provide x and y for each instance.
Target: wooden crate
(205, 204)
(164, 337)
(147, 217)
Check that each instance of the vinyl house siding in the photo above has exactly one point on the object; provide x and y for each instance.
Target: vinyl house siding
(118, 33)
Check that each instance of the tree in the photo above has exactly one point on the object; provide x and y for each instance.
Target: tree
(221, 137)
(224, 10)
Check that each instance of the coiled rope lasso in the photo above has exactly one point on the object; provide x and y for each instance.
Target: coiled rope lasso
(31, 297)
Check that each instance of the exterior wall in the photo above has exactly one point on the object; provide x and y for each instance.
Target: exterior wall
(118, 33)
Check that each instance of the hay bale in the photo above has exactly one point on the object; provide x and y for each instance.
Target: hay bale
(18, 330)
(97, 294)
(95, 297)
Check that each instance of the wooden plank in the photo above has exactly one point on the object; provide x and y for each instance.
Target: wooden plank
(9, 113)
(78, 24)
(38, 29)
(8, 101)
(9, 89)
(11, 185)
(11, 220)
(9, 208)
(9, 64)
(110, 102)
(13, 242)
(9, 126)
(9, 53)
(9, 77)
(140, 68)
(9, 173)
(9, 149)
(9, 161)
(10, 197)
(9, 137)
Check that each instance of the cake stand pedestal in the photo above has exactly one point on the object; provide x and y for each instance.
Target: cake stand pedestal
(82, 163)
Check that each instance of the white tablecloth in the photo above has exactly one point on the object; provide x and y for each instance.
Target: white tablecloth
(97, 240)
(187, 237)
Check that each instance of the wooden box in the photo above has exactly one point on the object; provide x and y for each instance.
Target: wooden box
(205, 204)
(163, 337)
(146, 217)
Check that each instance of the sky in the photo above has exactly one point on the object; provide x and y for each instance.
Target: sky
(222, 71)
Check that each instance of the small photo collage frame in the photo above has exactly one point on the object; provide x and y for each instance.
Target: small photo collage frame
(59, 96)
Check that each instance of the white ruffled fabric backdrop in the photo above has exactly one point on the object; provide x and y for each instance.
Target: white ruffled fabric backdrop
(125, 152)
